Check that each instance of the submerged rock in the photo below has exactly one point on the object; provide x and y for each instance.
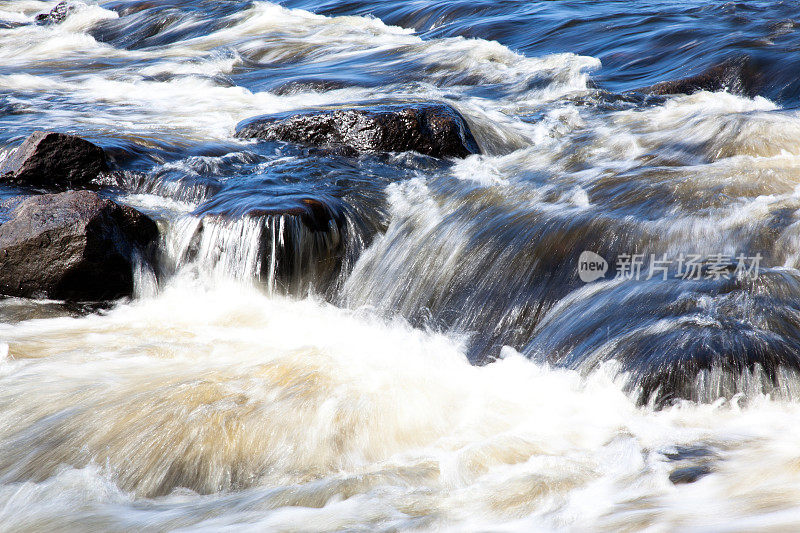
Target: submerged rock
(72, 246)
(436, 130)
(56, 15)
(296, 243)
(315, 214)
(737, 75)
(302, 85)
(689, 474)
(54, 161)
(681, 339)
(691, 463)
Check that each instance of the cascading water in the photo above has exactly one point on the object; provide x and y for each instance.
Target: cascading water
(328, 340)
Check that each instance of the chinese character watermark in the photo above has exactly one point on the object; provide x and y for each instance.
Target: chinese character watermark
(638, 266)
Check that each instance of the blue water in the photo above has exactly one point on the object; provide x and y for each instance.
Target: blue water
(639, 43)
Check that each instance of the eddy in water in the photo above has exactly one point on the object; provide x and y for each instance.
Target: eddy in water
(380, 266)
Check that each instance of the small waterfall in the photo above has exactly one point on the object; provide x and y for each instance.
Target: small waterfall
(189, 190)
(219, 247)
(278, 251)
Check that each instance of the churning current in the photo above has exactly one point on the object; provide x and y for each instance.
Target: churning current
(415, 265)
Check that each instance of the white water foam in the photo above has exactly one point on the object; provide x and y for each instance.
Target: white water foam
(352, 422)
(191, 103)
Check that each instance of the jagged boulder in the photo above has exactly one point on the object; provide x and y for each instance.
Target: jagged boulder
(54, 161)
(74, 245)
(436, 130)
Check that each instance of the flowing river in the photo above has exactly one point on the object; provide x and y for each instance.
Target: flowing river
(431, 359)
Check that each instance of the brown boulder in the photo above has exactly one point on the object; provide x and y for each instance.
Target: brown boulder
(51, 160)
(436, 130)
(73, 246)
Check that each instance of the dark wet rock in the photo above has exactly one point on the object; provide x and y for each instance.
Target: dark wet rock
(737, 75)
(691, 463)
(73, 245)
(309, 84)
(689, 474)
(691, 453)
(308, 237)
(436, 130)
(14, 310)
(314, 214)
(57, 14)
(54, 161)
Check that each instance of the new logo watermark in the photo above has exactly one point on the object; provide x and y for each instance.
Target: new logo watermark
(592, 266)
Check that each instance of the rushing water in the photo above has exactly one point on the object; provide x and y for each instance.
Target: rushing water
(429, 359)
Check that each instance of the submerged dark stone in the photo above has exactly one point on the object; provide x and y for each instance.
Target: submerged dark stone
(436, 130)
(689, 474)
(682, 339)
(309, 84)
(54, 161)
(315, 214)
(56, 15)
(737, 75)
(691, 463)
(72, 246)
(307, 236)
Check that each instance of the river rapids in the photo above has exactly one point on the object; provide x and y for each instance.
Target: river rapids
(435, 357)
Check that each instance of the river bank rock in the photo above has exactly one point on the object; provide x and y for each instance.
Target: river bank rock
(54, 161)
(737, 75)
(72, 246)
(436, 130)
